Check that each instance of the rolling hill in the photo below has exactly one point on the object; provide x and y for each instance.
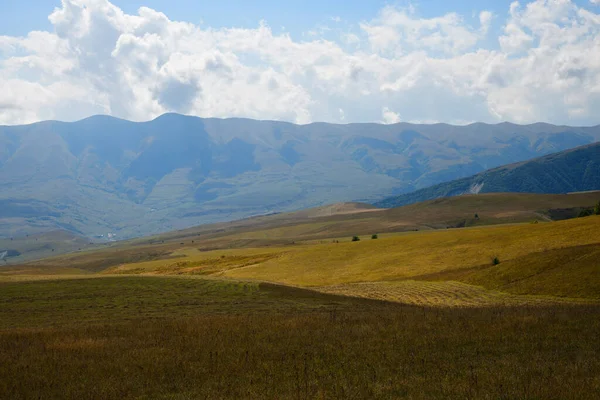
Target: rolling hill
(287, 308)
(104, 175)
(556, 260)
(338, 222)
(573, 170)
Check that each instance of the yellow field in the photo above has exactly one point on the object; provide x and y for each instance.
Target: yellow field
(312, 249)
(440, 294)
(444, 267)
(409, 256)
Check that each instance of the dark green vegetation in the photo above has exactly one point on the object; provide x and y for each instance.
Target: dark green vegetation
(586, 212)
(107, 338)
(104, 175)
(574, 170)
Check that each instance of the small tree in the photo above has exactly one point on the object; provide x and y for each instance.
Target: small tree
(496, 261)
(597, 209)
(355, 239)
(374, 236)
(476, 216)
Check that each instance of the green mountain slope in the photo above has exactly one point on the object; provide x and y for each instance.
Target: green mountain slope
(572, 170)
(103, 175)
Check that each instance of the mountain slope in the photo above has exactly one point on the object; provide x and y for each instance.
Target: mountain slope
(572, 170)
(104, 175)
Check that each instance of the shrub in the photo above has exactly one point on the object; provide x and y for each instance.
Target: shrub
(597, 209)
(374, 236)
(355, 239)
(495, 261)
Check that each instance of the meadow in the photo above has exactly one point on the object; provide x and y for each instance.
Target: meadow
(544, 262)
(189, 338)
(288, 307)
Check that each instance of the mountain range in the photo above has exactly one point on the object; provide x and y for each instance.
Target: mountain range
(111, 178)
(574, 170)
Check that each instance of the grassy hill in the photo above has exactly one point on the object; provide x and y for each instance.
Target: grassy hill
(311, 250)
(567, 271)
(573, 170)
(541, 253)
(104, 175)
(279, 306)
(335, 222)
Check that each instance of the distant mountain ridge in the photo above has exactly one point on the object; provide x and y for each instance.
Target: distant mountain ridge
(573, 170)
(105, 175)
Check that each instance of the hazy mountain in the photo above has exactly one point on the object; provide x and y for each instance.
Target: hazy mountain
(104, 175)
(572, 170)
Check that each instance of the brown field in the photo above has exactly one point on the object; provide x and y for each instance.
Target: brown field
(183, 338)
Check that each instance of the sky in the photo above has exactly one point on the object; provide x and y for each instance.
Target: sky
(338, 61)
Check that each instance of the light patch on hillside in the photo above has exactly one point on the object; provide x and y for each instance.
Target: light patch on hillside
(475, 188)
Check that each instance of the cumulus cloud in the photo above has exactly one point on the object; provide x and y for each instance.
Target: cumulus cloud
(543, 66)
(389, 117)
(398, 32)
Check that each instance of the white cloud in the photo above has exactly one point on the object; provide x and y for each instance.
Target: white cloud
(99, 59)
(397, 32)
(389, 117)
(485, 20)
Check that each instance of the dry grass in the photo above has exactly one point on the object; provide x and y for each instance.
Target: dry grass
(451, 325)
(438, 294)
(409, 256)
(313, 225)
(563, 272)
(193, 261)
(168, 338)
(553, 259)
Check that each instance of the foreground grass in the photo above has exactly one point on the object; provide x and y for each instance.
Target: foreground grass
(192, 338)
(63, 302)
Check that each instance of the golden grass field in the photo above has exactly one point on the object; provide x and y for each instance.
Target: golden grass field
(289, 307)
(557, 259)
(189, 338)
(552, 259)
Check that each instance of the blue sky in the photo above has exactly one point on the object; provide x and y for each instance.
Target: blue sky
(17, 17)
(314, 60)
